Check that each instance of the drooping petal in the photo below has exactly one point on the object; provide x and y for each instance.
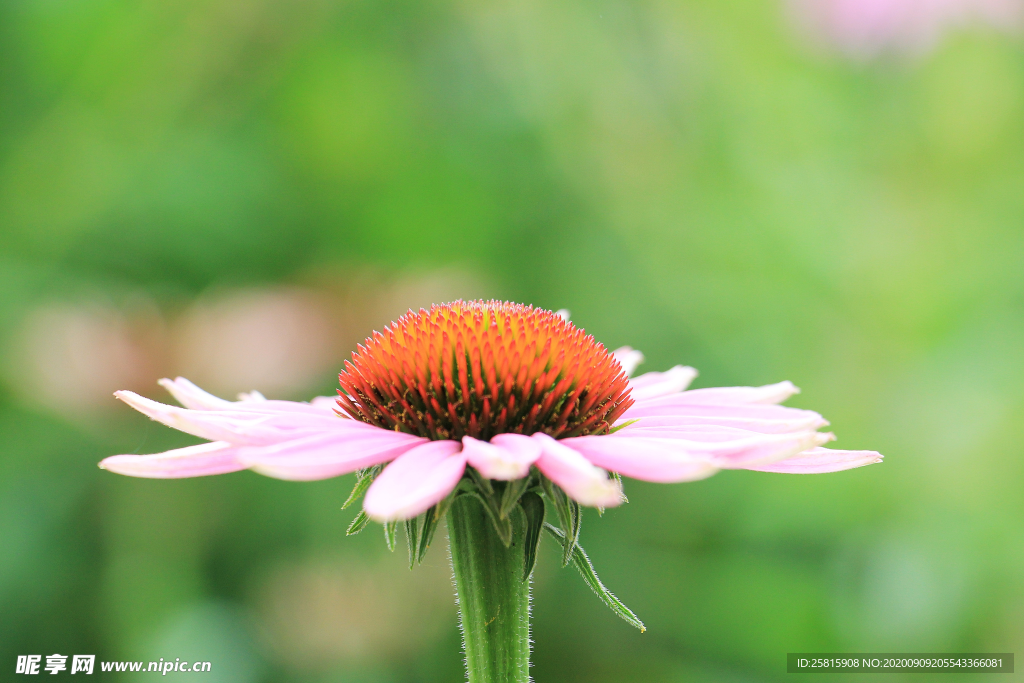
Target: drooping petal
(581, 480)
(655, 384)
(189, 395)
(771, 393)
(242, 427)
(213, 425)
(731, 448)
(679, 405)
(323, 406)
(658, 460)
(752, 424)
(322, 456)
(290, 423)
(506, 457)
(416, 480)
(709, 433)
(700, 432)
(629, 358)
(251, 397)
(820, 461)
(204, 459)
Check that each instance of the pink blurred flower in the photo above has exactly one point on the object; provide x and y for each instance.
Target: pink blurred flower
(280, 339)
(80, 352)
(863, 29)
(437, 392)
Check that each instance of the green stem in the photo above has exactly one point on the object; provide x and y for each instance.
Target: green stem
(494, 600)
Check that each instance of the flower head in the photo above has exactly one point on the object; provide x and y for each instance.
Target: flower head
(481, 369)
(495, 399)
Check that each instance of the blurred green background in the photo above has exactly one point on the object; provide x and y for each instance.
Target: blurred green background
(240, 190)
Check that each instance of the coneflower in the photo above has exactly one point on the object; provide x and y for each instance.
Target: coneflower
(486, 414)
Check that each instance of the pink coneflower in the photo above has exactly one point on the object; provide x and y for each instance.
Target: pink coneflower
(863, 29)
(483, 414)
(491, 391)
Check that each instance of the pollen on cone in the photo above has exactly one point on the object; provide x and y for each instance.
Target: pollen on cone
(481, 368)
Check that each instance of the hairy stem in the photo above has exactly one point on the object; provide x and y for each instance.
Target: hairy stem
(494, 600)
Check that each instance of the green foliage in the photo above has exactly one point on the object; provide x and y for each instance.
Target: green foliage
(412, 537)
(568, 517)
(689, 178)
(428, 525)
(533, 508)
(363, 480)
(359, 523)
(389, 535)
(586, 570)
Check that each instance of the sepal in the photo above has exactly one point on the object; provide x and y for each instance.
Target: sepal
(502, 526)
(427, 528)
(363, 480)
(412, 538)
(513, 492)
(482, 483)
(586, 570)
(618, 477)
(389, 534)
(568, 517)
(533, 509)
(358, 524)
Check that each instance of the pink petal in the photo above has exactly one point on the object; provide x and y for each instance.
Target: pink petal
(699, 433)
(659, 460)
(680, 405)
(731, 448)
(584, 483)
(416, 480)
(709, 433)
(771, 393)
(203, 423)
(821, 460)
(217, 457)
(241, 427)
(297, 422)
(629, 358)
(320, 405)
(322, 456)
(326, 403)
(655, 384)
(189, 395)
(766, 426)
(506, 457)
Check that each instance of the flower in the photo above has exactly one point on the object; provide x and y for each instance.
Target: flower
(491, 391)
(863, 29)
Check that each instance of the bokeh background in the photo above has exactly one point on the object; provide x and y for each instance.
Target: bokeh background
(238, 191)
